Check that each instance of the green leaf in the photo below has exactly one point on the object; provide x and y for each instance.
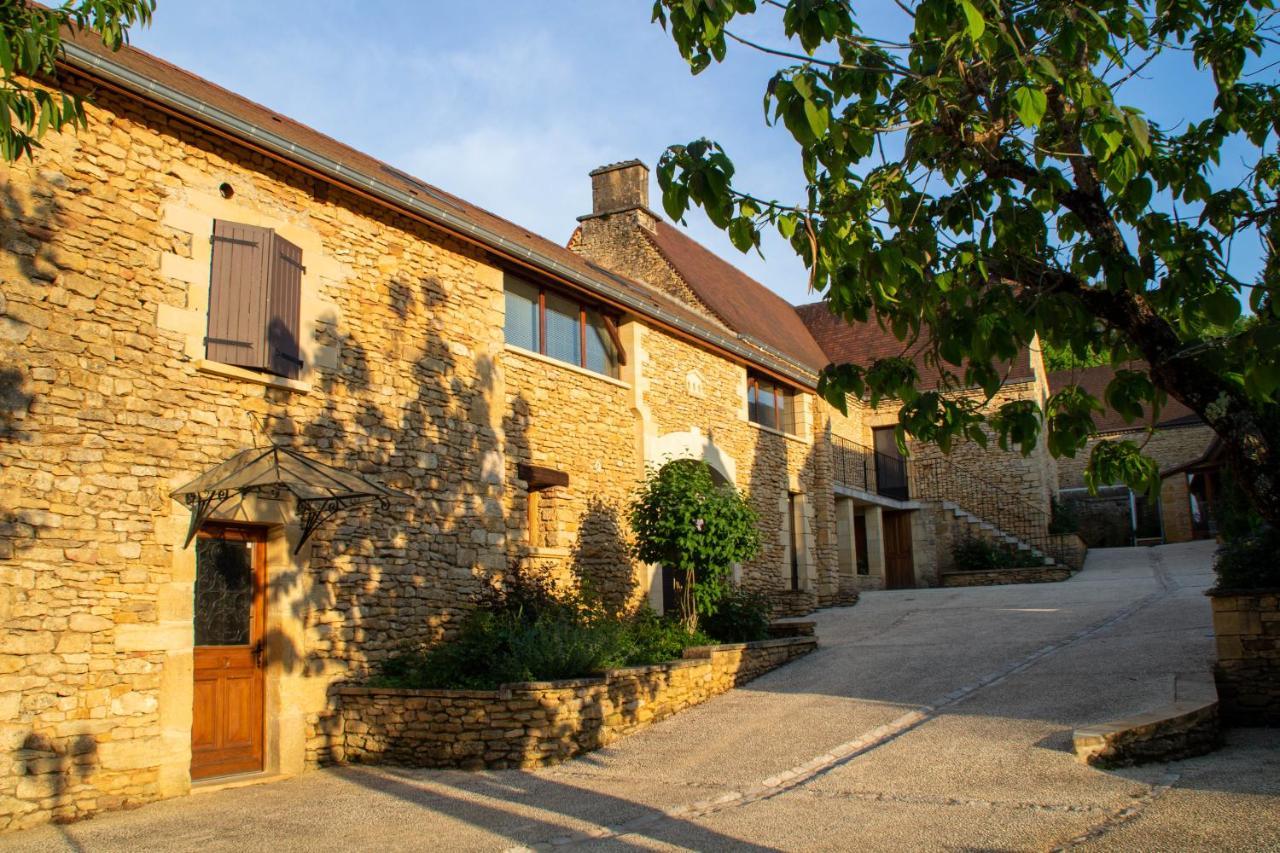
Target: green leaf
(818, 117)
(1222, 307)
(976, 24)
(1030, 104)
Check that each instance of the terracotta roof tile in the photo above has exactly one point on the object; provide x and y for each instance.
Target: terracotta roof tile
(1094, 380)
(863, 343)
(743, 303)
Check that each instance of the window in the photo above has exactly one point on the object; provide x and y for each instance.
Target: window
(255, 296)
(794, 523)
(560, 327)
(770, 404)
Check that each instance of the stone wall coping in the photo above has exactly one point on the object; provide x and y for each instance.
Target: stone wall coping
(1242, 593)
(694, 656)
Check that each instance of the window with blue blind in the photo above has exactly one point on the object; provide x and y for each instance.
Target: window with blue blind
(521, 327)
(560, 327)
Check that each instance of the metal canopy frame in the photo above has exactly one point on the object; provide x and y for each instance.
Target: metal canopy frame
(321, 491)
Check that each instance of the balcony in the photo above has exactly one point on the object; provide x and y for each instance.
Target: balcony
(857, 466)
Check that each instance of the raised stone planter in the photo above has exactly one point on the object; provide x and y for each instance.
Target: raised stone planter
(997, 577)
(1183, 729)
(538, 723)
(1247, 626)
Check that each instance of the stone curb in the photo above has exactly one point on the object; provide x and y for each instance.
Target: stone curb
(1185, 728)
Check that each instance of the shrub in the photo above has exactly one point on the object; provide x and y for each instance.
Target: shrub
(527, 631)
(655, 639)
(740, 617)
(974, 553)
(1251, 561)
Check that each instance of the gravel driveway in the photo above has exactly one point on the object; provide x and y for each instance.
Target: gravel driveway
(928, 719)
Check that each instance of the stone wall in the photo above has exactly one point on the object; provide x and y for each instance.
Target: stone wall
(580, 423)
(1247, 627)
(998, 577)
(534, 724)
(1169, 446)
(101, 275)
(766, 464)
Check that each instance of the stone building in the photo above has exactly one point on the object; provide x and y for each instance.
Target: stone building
(372, 399)
(1180, 443)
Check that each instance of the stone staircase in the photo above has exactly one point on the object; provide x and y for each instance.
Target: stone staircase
(987, 530)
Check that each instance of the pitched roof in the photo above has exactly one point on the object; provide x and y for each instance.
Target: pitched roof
(176, 90)
(1094, 380)
(863, 343)
(744, 304)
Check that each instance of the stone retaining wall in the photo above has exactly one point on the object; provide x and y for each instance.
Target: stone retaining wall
(1183, 729)
(538, 723)
(1247, 626)
(997, 577)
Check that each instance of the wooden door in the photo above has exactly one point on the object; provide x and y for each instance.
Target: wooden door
(230, 614)
(899, 568)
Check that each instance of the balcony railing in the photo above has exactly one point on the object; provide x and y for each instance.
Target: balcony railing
(860, 467)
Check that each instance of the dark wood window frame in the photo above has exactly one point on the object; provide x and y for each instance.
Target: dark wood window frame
(781, 396)
(610, 325)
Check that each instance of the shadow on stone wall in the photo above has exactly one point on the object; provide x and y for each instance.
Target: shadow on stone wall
(600, 559)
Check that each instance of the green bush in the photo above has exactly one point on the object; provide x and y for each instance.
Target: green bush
(740, 617)
(528, 632)
(974, 553)
(655, 639)
(687, 523)
(1251, 561)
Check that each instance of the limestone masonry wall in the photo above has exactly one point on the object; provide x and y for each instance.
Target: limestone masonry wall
(529, 725)
(103, 284)
(1169, 446)
(1247, 627)
(581, 424)
(999, 577)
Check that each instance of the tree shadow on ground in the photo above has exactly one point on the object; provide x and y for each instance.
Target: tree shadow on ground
(575, 805)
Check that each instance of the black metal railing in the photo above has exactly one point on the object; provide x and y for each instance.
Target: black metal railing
(1011, 513)
(858, 466)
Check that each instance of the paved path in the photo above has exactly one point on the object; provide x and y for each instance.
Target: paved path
(928, 719)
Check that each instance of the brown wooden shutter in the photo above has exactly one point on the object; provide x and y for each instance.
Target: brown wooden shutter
(238, 295)
(284, 305)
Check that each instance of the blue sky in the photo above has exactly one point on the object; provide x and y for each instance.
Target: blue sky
(510, 104)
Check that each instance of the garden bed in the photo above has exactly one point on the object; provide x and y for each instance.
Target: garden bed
(536, 723)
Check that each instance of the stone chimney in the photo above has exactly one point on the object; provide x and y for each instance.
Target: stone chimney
(621, 188)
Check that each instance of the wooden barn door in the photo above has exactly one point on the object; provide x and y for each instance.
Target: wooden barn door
(899, 568)
(230, 612)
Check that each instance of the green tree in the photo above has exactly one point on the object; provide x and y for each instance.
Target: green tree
(685, 522)
(980, 181)
(30, 48)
